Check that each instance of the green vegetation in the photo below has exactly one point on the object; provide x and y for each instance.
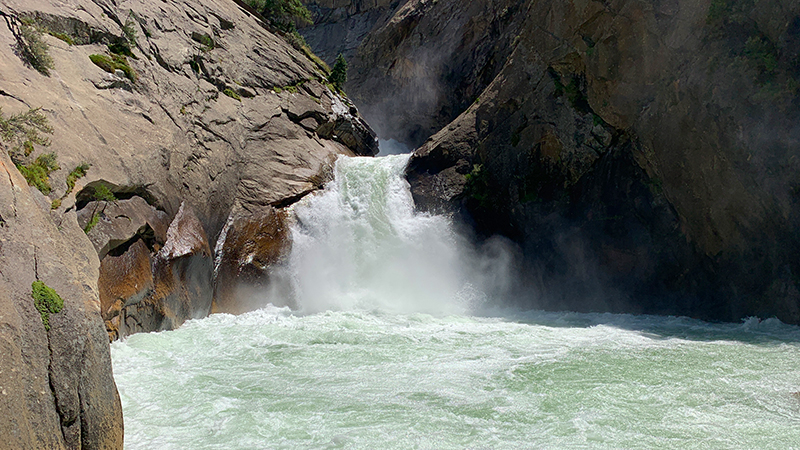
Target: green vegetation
(63, 36)
(103, 194)
(761, 54)
(338, 76)
(22, 131)
(46, 300)
(725, 12)
(477, 186)
(55, 204)
(282, 14)
(121, 48)
(37, 173)
(232, 94)
(76, 174)
(571, 90)
(205, 40)
(113, 63)
(129, 28)
(34, 50)
(92, 222)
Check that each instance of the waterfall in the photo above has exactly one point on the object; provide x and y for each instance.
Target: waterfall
(359, 244)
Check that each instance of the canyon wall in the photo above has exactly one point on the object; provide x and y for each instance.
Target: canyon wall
(643, 154)
(172, 125)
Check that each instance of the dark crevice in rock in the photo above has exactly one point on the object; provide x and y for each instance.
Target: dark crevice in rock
(293, 199)
(146, 234)
(87, 194)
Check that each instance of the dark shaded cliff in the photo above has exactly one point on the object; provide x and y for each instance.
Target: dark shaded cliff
(644, 154)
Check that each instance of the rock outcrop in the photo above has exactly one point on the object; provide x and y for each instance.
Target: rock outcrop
(56, 386)
(644, 155)
(209, 109)
(168, 119)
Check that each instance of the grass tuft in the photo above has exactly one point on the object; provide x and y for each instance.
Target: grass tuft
(46, 300)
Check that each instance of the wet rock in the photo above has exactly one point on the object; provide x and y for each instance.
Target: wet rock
(144, 289)
(629, 148)
(250, 253)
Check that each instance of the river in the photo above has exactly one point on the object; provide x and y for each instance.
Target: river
(398, 344)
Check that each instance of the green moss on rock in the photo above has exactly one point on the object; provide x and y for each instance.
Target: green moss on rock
(46, 300)
(113, 63)
(232, 94)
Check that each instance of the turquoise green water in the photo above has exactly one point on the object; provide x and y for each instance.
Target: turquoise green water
(358, 379)
(393, 348)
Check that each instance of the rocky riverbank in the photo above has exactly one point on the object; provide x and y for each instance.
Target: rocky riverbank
(172, 126)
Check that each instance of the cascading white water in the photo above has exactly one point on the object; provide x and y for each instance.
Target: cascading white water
(388, 354)
(360, 244)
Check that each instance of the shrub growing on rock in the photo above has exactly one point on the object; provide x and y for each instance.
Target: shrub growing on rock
(34, 50)
(37, 173)
(46, 300)
(338, 76)
(76, 174)
(22, 131)
(282, 14)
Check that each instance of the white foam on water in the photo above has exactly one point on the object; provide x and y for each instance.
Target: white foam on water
(386, 353)
(371, 379)
(361, 245)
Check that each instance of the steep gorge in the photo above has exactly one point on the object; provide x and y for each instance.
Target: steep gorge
(643, 154)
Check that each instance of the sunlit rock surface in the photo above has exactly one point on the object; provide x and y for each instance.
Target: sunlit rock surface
(56, 385)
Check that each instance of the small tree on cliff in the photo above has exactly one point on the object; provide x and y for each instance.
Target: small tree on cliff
(338, 74)
(282, 14)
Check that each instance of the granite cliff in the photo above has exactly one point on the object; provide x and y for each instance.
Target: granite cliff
(643, 154)
(179, 132)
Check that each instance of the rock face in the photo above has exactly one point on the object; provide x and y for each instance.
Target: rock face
(157, 277)
(56, 387)
(415, 65)
(340, 26)
(644, 155)
(250, 253)
(214, 112)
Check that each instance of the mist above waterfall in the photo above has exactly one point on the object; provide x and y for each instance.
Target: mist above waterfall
(360, 244)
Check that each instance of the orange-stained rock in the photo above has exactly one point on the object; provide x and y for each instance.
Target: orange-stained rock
(248, 274)
(124, 280)
(145, 289)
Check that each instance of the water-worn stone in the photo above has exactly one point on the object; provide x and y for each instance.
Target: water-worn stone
(56, 386)
(249, 258)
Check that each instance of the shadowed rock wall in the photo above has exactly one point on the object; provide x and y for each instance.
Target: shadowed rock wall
(643, 154)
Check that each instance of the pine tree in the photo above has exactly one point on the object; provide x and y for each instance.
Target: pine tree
(338, 75)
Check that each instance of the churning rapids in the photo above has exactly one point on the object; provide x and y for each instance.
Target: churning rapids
(393, 348)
